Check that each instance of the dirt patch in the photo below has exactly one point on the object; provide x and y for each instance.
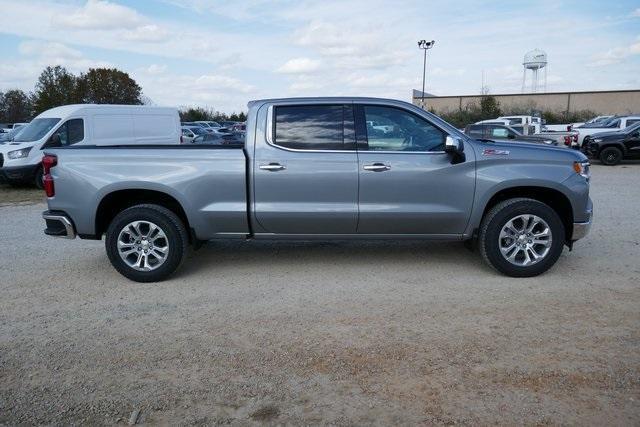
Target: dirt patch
(23, 194)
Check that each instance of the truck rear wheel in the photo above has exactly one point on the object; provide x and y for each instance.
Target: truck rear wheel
(611, 156)
(146, 243)
(521, 237)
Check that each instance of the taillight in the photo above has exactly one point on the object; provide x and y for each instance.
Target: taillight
(567, 140)
(181, 140)
(575, 138)
(48, 161)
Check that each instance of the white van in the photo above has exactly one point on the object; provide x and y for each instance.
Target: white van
(86, 124)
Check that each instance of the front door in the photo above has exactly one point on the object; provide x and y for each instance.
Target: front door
(408, 184)
(306, 171)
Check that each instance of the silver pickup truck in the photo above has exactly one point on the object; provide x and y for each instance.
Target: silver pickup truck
(315, 168)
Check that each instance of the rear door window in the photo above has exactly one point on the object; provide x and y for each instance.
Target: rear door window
(309, 127)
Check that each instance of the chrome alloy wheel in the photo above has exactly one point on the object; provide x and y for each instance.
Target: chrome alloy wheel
(525, 240)
(143, 245)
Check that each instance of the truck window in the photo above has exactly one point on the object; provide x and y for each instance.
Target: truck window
(309, 127)
(395, 129)
(71, 132)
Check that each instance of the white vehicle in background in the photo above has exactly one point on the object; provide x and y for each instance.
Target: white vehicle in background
(13, 126)
(190, 133)
(613, 124)
(87, 124)
(530, 124)
(385, 129)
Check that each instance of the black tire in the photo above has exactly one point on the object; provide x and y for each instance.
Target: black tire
(176, 237)
(497, 218)
(38, 178)
(610, 156)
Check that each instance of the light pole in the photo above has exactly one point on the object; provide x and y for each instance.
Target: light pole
(425, 45)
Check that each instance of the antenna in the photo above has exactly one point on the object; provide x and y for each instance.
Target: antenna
(535, 61)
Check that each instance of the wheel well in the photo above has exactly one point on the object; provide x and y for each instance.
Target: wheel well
(554, 198)
(116, 202)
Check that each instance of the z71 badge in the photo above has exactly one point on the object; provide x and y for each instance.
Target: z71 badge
(494, 152)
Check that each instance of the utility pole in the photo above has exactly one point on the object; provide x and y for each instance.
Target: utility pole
(425, 45)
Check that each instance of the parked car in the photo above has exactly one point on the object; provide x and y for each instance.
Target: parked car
(529, 124)
(84, 124)
(612, 147)
(8, 136)
(613, 124)
(189, 133)
(498, 132)
(9, 127)
(306, 173)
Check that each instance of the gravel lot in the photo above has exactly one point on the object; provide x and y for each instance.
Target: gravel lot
(324, 333)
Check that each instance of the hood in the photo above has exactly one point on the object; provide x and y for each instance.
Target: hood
(608, 135)
(531, 150)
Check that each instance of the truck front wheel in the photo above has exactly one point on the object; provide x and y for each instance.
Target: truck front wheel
(146, 243)
(521, 237)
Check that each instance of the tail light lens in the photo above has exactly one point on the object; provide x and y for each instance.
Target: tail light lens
(567, 140)
(575, 138)
(48, 161)
(181, 140)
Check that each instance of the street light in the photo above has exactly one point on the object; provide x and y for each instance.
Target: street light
(425, 45)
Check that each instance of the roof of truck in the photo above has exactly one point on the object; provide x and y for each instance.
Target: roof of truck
(329, 99)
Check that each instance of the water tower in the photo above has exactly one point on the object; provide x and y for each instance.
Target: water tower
(535, 61)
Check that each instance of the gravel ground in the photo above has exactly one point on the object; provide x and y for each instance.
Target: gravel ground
(324, 333)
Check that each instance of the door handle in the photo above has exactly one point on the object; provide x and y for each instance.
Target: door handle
(377, 167)
(273, 167)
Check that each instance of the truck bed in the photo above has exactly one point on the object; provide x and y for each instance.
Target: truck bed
(209, 182)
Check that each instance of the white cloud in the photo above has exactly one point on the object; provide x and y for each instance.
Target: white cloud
(45, 53)
(299, 66)
(146, 33)
(615, 55)
(100, 15)
(217, 82)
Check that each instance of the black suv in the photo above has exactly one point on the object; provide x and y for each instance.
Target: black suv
(612, 147)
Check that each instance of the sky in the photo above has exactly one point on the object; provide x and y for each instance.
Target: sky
(222, 54)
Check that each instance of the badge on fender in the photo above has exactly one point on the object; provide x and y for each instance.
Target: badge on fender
(494, 152)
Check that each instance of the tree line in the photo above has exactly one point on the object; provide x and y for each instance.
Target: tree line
(57, 86)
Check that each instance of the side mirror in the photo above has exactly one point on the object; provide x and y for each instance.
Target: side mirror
(453, 145)
(54, 141)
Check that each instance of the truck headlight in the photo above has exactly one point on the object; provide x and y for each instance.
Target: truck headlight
(19, 154)
(583, 169)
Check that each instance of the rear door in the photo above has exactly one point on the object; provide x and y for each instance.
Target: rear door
(408, 184)
(306, 170)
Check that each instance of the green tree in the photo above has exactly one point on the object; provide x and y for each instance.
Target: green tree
(108, 86)
(489, 107)
(56, 86)
(15, 106)
(193, 114)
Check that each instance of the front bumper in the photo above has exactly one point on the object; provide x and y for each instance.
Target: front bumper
(18, 173)
(59, 225)
(581, 229)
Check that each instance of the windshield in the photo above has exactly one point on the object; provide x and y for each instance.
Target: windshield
(35, 130)
(11, 134)
(199, 131)
(632, 128)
